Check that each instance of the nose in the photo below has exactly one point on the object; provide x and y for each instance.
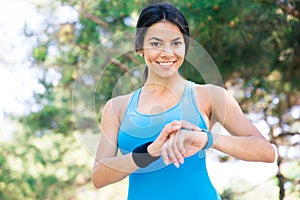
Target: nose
(166, 51)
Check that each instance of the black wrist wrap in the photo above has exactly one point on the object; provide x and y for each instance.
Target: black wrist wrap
(141, 157)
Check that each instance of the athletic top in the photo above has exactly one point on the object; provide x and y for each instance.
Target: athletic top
(157, 181)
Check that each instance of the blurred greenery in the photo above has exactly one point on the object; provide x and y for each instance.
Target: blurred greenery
(255, 45)
(46, 167)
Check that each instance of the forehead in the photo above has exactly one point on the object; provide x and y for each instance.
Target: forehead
(163, 30)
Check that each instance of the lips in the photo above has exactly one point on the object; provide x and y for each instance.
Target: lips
(166, 63)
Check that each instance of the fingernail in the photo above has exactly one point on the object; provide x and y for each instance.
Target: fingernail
(177, 127)
(181, 160)
(176, 164)
(166, 163)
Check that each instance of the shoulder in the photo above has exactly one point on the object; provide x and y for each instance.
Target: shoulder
(212, 99)
(213, 92)
(116, 106)
(209, 91)
(223, 105)
(117, 103)
(209, 88)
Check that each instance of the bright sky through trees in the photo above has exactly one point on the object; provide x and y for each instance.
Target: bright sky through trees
(19, 77)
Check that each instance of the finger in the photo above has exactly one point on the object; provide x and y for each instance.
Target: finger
(181, 160)
(174, 126)
(164, 154)
(165, 133)
(174, 153)
(177, 146)
(176, 163)
(189, 126)
(169, 129)
(171, 149)
(179, 141)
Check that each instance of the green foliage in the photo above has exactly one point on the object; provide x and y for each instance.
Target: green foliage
(44, 167)
(55, 114)
(40, 53)
(51, 118)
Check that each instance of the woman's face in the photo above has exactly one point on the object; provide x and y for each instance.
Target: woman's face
(163, 49)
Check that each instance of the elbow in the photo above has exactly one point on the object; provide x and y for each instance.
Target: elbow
(97, 177)
(96, 184)
(270, 154)
(269, 159)
(96, 181)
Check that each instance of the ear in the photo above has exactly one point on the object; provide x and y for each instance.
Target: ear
(140, 52)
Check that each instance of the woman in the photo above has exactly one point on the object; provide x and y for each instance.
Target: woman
(162, 128)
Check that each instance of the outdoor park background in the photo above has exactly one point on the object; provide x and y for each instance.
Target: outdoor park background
(60, 62)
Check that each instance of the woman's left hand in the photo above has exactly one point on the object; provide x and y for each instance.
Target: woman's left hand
(182, 144)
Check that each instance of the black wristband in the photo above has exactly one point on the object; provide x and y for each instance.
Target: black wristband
(141, 157)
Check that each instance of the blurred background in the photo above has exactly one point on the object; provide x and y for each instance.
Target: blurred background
(60, 61)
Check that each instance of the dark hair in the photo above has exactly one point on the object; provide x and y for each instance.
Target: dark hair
(155, 13)
(158, 12)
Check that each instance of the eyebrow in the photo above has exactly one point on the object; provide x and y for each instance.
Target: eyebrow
(158, 39)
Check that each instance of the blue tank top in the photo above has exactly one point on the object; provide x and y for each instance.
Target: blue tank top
(157, 181)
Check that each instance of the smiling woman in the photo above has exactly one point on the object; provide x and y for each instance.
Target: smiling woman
(162, 128)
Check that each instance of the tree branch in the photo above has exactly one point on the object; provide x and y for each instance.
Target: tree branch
(123, 67)
(133, 59)
(289, 9)
(93, 17)
(285, 134)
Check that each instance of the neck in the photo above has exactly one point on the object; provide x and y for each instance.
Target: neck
(173, 81)
(173, 84)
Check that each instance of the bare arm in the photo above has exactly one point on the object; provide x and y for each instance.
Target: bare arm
(245, 142)
(108, 167)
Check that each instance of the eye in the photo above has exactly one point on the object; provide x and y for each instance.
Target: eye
(155, 44)
(177, 44)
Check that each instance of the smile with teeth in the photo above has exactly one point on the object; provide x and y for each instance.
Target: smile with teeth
(166, 63)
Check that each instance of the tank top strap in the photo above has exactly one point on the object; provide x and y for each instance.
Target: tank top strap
(133, 103)
(192, 97)
(190, 109)
(188, 94)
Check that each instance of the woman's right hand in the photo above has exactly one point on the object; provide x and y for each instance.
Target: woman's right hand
(155, 148)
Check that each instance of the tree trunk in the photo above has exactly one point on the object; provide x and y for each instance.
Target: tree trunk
(279, 175)
(281, 179)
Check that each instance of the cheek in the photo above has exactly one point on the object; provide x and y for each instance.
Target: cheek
(151, 54)
(181, 52)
